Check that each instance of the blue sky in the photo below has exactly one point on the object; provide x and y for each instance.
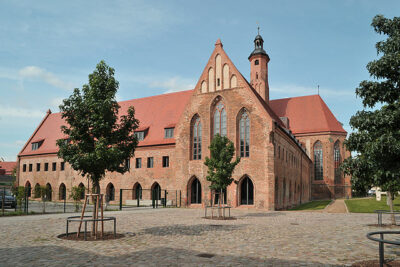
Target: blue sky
(47, 48)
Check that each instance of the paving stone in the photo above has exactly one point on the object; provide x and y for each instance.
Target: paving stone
(171, 237)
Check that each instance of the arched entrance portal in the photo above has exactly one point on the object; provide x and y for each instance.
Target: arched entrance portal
(62, 192)
(156, 188)
(110, 192)
(137, 191)
(28, 189)
(82, 190)
(246, 192)
(49, 192)
(195, 192)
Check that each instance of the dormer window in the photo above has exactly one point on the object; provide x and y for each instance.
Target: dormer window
(168, 132)
(36, 145)
(139, 135)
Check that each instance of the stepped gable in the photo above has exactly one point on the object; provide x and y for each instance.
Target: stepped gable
(154, 114)
(307, 114)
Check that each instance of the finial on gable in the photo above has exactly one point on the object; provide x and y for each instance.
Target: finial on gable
(218, 42)
(48, 111)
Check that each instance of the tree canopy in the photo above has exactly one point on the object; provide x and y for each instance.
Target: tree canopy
(376, 139)
(220, 165)
(97, 138)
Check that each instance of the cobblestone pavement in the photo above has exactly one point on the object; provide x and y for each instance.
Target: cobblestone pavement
(177, 237)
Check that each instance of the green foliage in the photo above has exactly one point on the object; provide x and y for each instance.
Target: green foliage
(20, 195)
(377, 136)
(44, 192)
(76, 193)
(37, 191)
(98, 139)
(220, 167)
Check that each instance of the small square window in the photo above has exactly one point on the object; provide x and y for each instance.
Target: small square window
(30, 167)
(46, 166)
(24, 168)
(168, 132)
(54, 166)
(62, 165)
(256, 62)
(38, 167)
(165, 161)
(150, 162)
(138, 163)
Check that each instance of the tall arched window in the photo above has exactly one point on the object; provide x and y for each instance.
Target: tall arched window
(244, 134)
(336, 160)
(196, 132)
(318, 162)
(156, 191)
(220, 119)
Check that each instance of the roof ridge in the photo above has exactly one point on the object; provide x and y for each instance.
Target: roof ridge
(166, 94)
(294, 97)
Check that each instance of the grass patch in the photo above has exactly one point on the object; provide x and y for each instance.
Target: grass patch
(369, 205)
(16, 213)
(313, 205)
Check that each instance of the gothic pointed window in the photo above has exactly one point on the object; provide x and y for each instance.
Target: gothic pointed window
(196, 142)
(244, 134)
(318, 161)
(336, 160)
(220, 119)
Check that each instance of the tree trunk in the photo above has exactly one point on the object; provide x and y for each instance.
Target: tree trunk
(95, 191)
(390, 196)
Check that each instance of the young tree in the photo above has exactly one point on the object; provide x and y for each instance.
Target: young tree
(99, 139)
(377, 136)
(220, 165)
(76, 193)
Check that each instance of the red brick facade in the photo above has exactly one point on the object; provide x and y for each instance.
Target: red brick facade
(277, 173)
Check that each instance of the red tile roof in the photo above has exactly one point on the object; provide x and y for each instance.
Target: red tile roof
(8, 166)
(307, 114)
(154, 113)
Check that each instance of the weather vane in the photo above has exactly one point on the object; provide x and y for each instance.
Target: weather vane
(258, 28)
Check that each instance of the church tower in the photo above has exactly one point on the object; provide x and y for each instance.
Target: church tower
(259, 68)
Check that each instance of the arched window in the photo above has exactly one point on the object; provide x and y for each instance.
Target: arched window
(196, 133)
(246, 192)
(49, 192)
(110, 192)
(82, 187)
(28, 189)
(318, 162)
(137, 191)
(336, 160)
(244, 134)
(220, 119)
(62, 192)
(195, 192)
(156, 190)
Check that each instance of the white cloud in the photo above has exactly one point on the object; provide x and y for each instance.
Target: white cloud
(34, 72)
(174, 84)
(15, 112)
(290, 90)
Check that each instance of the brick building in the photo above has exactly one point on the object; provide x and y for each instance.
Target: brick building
(290, 148)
